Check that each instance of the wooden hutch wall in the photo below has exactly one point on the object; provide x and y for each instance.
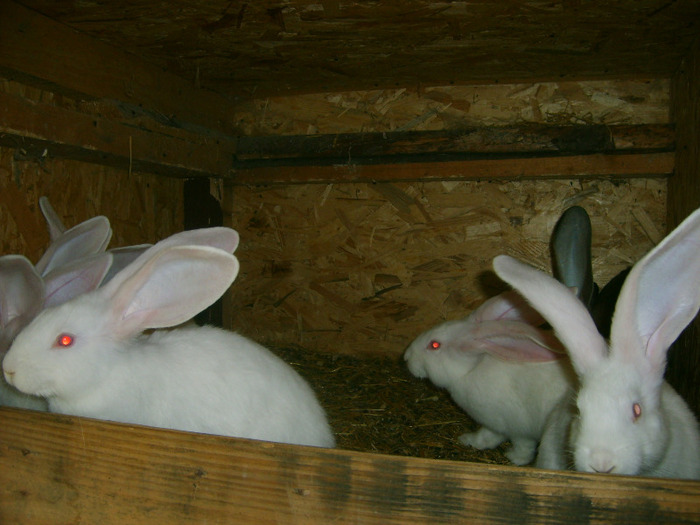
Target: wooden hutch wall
(363, 268)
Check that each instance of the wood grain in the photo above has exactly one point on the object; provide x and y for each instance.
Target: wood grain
(596, 165)
(266, 48)
(683, 198)
(59, 469)
(64, 133)
(38, 50)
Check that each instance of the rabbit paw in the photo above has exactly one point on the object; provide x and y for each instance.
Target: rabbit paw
(482, 439)
(522, 452)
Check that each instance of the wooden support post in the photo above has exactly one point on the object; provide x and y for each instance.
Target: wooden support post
(202, 210)
(683, 370)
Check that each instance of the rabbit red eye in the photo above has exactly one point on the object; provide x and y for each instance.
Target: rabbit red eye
(64, 341)
(434, 345)
(636, 411)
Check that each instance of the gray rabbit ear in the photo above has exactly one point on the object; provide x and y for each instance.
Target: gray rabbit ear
(571, 253)
(123, 257)
(79, 277)
(659, 297)
(85, 239)
(53, 221)
(21, 292)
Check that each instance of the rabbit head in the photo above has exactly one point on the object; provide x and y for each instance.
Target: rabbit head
(504, 327)
(69, 347)
(621, 426)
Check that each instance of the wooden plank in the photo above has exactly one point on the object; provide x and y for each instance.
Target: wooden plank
(599, 165)
(683, 198)
(60, 469)
(38, 50)
(58, 132)
(535, 139)
(267, 48)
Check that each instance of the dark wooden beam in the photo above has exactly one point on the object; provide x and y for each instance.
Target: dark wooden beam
(458, 144)
(37, 50)
(42, 129)
(563, 167)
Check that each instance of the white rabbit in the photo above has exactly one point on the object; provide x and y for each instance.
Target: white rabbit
(92, 357)
(24, 293)
(625, 418)
(500, 368)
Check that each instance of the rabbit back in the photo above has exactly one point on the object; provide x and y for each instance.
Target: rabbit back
(202, 379)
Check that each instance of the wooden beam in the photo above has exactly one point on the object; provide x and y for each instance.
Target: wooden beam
(563, 167)
(61, 469)
(683, 370)
(41, 129)
(522, 140)
(37, 50)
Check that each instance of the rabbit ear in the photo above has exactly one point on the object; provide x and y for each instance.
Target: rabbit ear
(21, 289)
(170, 288)
(516, 341)
(660, 296)
(225, 239)
(571, 252)
(507, 306)
(560, 307)
(79, 277)
(85, 239)
(53, 221)
(123, 257)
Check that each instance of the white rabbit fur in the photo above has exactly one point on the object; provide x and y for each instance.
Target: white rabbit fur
(500, 369)
(625, 419)
(70, 266)
(191, 378)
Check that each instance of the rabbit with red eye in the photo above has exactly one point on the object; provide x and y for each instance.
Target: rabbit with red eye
(500, 368)
(93, 357)
(625, 419)
(70, 266)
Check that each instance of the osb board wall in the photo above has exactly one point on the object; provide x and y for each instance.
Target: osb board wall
(141, 207)
(364, 268)
(452, 107)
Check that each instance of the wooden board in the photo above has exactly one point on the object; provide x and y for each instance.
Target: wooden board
(364, 268)
(59, 469)
(40, 51)
(53, 131)
(684, 198)
(264, 48)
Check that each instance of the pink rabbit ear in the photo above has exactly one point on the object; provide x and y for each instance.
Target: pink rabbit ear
(508, 305)
(169, 288)
(85, 239)
(219, 237)
(21, 290)
(517, 341)
(560, 307)
(659, 297)
(79, 277)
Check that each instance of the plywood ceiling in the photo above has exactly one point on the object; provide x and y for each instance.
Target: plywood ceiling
(259, 48)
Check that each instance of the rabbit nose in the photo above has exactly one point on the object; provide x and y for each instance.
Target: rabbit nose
(602, 462)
